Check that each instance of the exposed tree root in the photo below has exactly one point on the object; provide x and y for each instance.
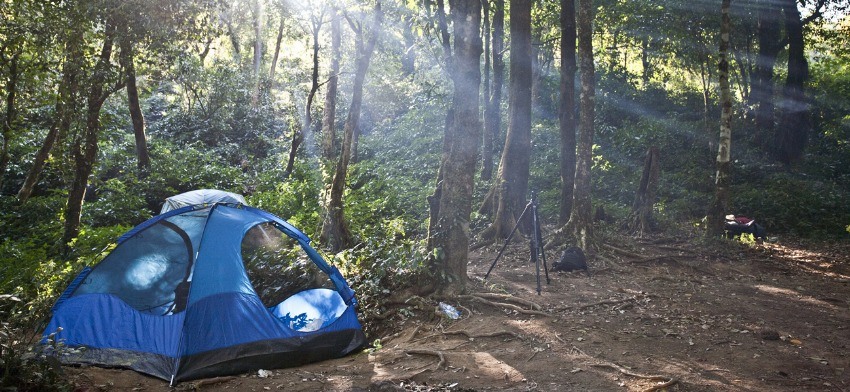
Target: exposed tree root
(385, 315)
(210, 381)
(508, 297)
(438, 354)
(668, 381)
(622, 251)
(503, 305)
(483, 335)
(483, 243)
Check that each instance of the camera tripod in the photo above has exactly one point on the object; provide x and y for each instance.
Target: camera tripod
(537, 253)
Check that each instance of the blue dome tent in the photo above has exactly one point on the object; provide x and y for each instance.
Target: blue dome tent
(179, 298)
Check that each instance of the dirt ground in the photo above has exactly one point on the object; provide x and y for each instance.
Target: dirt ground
(653, 315)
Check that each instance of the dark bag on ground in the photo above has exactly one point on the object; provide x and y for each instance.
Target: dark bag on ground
(573, 259)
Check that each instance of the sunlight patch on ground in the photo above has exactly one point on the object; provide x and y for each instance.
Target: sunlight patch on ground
(811, 261)
(793, 295)
(393, 366)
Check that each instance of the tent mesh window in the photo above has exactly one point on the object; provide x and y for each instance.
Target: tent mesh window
(277, 265)
(146, 270)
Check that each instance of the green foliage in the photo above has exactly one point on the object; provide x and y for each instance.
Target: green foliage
(295, 199)
(20, 370)
(787, 203)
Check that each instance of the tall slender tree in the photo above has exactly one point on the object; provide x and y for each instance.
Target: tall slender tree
(720, 204)
(794, 121)
(492, 110)
(580, 224)
(127, 61)
(566, 109)
(84, 148)
(768, 36)
(335, 232)
(512, 183)
(329, 112)
(449, 238)
(299, 135)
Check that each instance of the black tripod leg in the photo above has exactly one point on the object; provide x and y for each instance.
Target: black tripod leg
(535, 245)
(539, 234)
(507, 241)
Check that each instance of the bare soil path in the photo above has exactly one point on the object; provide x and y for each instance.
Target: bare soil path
(654, 315)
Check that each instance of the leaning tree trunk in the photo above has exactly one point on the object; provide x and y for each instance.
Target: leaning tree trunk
(580, 222)
(566, 109)
(449, 239)
(794, 121)
(126, 58)
(492, 117)
(335, 232)
(329, 112)
(640, 221)
(720, 204)
(276, 49)
(84, 150)
(66, 109)
(299, 135)
(512, 183)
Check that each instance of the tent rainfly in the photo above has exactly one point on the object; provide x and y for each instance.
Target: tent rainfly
(201, 196)
(175, 298)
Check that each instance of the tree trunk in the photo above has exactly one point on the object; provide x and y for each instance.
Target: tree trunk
(258, 51)
(66, 110)
(580, 224)
(719, 206)
(11, 115)
(408, 57)
(443, 28)
(449, 240)
(329, 113)
(794, 123)
(299, 135)
(335, 232)
(276, 50)
(492, 117)
(84, 150)
(566, 109)
(127, 59)
(641, 221)
(231, 33)
(768, 32)
(646, 70)
(258, 37)
(514, 166)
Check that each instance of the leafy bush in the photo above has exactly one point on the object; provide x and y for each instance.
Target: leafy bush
(784, 202)
(20, 370)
